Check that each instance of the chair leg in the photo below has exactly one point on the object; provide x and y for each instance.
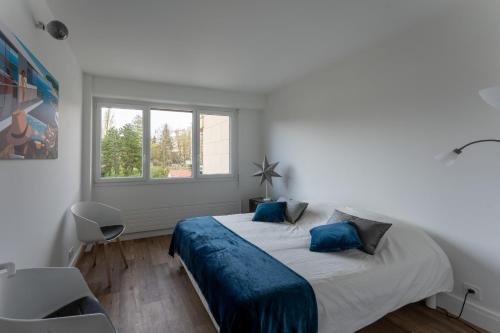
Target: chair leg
(121, 252)
(94, 250)
(108, 264)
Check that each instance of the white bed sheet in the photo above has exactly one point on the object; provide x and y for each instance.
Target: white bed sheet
(353, 289)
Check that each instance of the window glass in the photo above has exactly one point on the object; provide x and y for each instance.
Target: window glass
(215, 147)
(121, 142)
(164, 145)
(171, 144)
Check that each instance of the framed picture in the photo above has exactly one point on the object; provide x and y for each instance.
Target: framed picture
(29, 98)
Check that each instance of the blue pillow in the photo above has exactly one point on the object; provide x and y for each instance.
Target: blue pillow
(335, 237)
(270, 212)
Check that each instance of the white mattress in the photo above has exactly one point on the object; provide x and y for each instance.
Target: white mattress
(353, 289)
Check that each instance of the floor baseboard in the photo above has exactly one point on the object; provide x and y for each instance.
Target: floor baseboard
(473, 313)
(135, 235)
(147, 234)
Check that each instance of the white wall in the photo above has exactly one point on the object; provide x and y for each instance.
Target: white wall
(364, 132)
(35, 229)
(163, 92)
(150, 207)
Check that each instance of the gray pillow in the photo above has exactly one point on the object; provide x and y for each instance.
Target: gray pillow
(294, 209)
(370, 232)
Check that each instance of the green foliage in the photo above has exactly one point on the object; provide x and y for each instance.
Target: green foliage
(183, 144)
(159, 171)
(121, 149)
(108, 120)
(166, 147)
(110, 153)
(169, 151)
(121, 152)
(130, 151)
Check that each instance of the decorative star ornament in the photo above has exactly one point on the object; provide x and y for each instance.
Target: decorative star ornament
(266, 171)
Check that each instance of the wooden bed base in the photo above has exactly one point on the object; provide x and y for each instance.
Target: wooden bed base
(198, 291)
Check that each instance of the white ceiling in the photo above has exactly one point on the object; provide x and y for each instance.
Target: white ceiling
(244, 45)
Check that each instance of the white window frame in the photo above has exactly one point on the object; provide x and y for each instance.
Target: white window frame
(146, 108)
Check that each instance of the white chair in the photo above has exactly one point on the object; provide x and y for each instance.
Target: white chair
(55, 300)
(99, 223)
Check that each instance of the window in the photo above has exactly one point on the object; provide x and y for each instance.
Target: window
(171, 144)
(152, 143)
(121, 143)
(215, 145)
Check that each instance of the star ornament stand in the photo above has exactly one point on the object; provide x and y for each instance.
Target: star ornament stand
(266, 173)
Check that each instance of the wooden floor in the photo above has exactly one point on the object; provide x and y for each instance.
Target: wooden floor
(153, 296)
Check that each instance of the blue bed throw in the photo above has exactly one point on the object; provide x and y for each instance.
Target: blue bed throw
(246, 289)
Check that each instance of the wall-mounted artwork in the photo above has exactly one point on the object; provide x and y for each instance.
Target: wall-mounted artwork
(29, 97)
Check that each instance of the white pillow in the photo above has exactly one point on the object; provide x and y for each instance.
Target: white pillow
(316, 214)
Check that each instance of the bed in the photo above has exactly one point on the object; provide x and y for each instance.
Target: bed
(352, 289)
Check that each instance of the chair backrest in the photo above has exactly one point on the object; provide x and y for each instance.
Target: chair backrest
(35, 292)
(90, 216)
(28, 295)
(18, 299)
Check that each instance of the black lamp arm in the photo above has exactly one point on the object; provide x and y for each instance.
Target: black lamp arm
(459, 150)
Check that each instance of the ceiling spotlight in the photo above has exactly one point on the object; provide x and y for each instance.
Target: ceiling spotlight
(56, 29)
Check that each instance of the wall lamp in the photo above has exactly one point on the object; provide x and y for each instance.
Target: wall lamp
(490, 96)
